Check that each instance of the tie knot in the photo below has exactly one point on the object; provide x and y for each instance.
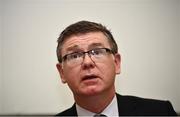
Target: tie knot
(99, 115)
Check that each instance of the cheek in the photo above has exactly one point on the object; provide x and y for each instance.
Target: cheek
(108, 70)
(71, 75)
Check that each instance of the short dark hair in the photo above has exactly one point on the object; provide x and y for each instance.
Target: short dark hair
(83, 27)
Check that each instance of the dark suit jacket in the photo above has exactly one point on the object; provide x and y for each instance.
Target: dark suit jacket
(130, 105)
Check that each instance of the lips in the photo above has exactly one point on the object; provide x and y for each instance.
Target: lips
(89, 77)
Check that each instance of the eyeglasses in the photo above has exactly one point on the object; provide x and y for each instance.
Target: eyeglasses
(76, 58)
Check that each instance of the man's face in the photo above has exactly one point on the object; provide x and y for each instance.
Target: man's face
(90, 77)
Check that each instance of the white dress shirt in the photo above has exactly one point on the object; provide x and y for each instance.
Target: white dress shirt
(109, 111)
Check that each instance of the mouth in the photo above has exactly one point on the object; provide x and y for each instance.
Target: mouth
(89, 77)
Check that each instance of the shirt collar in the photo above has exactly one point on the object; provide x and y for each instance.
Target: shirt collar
(110, 110)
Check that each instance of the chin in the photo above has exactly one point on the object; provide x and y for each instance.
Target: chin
(92, 91)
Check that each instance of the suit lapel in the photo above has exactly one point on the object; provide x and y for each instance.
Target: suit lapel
(125, 106)
(73, 110)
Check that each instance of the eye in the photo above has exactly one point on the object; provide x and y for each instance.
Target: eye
(74, 56)
(97, 51)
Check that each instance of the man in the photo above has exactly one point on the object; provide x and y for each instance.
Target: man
(88, 62)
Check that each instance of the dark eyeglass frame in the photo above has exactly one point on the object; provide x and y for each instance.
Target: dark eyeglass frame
(89, 52)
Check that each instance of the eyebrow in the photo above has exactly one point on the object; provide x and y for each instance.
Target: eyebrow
(93, 45)
(77, 47)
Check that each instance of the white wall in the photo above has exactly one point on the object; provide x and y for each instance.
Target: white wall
(147, 32)
(1, 57)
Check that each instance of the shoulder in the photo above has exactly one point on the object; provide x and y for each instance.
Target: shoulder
(144, 106)
(140, 100)
(69, 112)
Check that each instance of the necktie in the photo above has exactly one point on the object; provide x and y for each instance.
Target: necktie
(99, 115)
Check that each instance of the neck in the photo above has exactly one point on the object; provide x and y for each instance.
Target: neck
(95, 103)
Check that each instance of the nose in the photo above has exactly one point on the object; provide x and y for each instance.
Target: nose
(87, 62)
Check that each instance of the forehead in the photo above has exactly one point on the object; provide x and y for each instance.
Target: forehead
(85, 41)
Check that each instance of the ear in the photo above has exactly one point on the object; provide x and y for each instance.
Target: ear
(117, 61)
(61, 72)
